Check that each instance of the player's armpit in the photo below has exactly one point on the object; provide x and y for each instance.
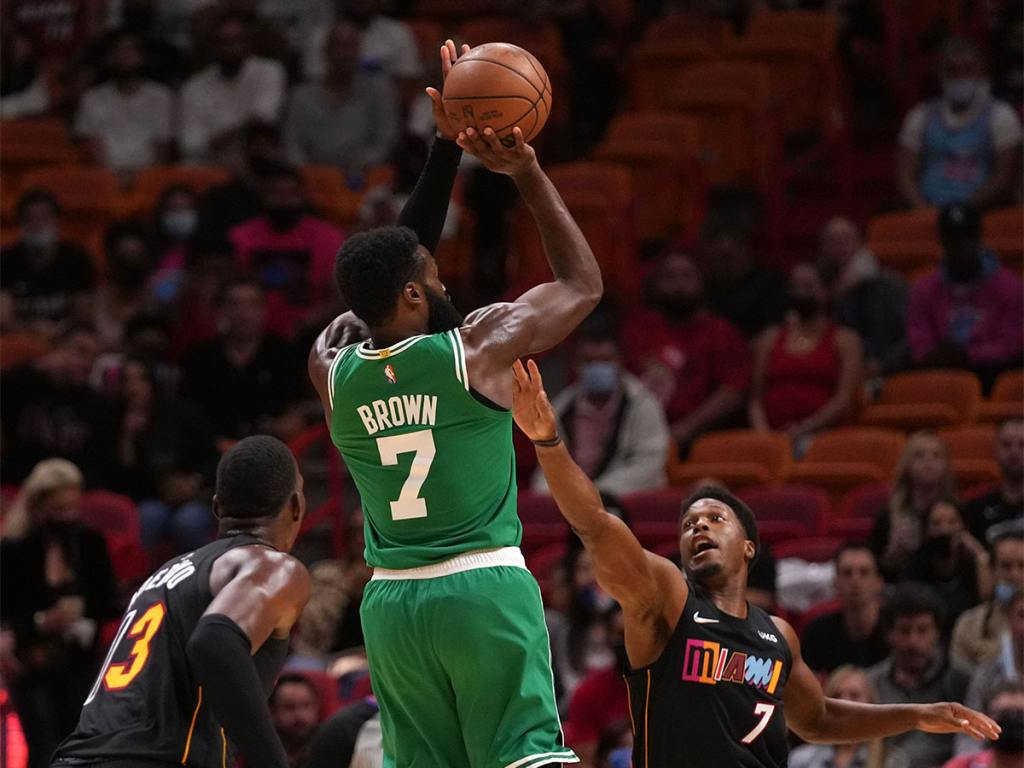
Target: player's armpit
(267, 592)
(344, 330)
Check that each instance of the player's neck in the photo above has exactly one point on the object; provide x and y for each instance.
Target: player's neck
(730, 596)
(234, 527)
(387, 336)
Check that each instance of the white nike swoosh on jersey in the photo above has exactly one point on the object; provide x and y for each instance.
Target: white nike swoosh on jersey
(697, 618)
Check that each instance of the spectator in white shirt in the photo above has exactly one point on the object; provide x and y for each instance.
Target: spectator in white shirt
(23, 91)
(218, 102)
(128, 121)
(350, 120)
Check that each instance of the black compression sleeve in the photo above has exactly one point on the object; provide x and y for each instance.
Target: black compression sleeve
(220, 655)
(425, 211)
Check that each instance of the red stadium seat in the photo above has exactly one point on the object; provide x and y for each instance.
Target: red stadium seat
(1002, 230)
(856, 514)
(972, 454)
(813, 549)
(804, 508)
(116, 517)
(658, 64)
(543, 524)
(1007, 398)
(315, 446)
(654, 515)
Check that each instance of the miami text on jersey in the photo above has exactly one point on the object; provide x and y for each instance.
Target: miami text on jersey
(708, 662)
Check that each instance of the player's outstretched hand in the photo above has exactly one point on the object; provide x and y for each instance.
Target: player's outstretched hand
(449, 54)
(495, 156)
(531, 408)
(950, 717)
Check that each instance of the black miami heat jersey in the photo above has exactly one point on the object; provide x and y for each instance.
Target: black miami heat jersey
(145, 707)
(714, 697)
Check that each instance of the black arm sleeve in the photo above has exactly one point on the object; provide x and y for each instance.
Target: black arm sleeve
(219, 653)
(425, 211)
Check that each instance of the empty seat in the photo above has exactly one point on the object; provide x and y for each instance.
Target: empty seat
(842, 459)
(657, 65)
(1007, 399)
(738, 458)
(543, 524)
(654, 515)
(925, 400)
(917, 224)
(803, 508)
(972, 454)
(83, 192)
(855, 515)
(116, 517)
(911, 259)
(1002, 230)
(813, 549)
(150, 183)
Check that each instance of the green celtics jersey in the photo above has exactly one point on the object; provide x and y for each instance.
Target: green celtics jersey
(434, 464)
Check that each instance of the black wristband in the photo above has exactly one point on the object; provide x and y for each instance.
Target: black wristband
(556, 440)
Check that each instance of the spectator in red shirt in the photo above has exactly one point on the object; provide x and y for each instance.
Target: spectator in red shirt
(292, 252)
(601, 699)
(696, 363)
(807, 369)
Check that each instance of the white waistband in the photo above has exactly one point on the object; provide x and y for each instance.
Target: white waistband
(484, 558)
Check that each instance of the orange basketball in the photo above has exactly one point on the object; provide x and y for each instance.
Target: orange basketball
(498, 86)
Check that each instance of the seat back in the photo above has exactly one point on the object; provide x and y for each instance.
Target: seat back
(769, 449)
(959, 389)
(803, 506)
(1009, 387)
(880, 447)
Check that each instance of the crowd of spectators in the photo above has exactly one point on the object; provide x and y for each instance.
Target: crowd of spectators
(186, 327)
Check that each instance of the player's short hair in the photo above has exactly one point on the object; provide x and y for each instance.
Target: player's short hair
(739, 508)
(255, 478)
(913, 598)
(372, 268)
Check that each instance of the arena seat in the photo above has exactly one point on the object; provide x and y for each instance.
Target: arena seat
(654, 515)
(315, 445)
(802, 507)
(738, 458)
(150, 183)
(917, 224)
(86, 194)
(657, 64)
(328, 192)
(682, 26)
(1007, 399)
(972, 454)
(911, 259)
(543, 524)
(855, 515)
(813, 549)
(32, 143)
(842, 459)
(18, 348)
(925, 400)
(116, 517)
(1002, 230)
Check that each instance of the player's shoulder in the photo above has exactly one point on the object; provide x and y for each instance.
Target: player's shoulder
(493, 322)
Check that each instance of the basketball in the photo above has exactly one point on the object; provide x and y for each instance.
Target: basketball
(498, 86)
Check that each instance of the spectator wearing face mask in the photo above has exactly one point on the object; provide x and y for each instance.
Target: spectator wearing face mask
(124, 291)
(613, 425)
(951, 561)
(969, 311)
(1006, 707)
(960, 149)
(1005, 502)
(45, 281)
(977, 636)
(291, 251)
(1006, 668)
(127, 123)
(695, 362)
(174, 226)
(806, 371)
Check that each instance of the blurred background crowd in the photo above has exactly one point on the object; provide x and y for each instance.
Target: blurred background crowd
(808, 215)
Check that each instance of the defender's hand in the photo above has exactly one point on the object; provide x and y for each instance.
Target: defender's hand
(449, 54)
(950, 717)
(511, 161)
(531, 408)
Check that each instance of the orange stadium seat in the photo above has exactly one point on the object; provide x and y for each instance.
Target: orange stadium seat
(731, 100)
(82, 191)
(671, 196)
(34, 142)
(820, 26)
(150, 183)
(792, 509)
(452, 11)
(657, 64)
(682, 26)
(972, 454)
(17, 349)
(925, 400)
(738, 458)
(911, 259)
(329, 193)
(1002, 230)
(1007, 398)
(842, 459)
(917, 224)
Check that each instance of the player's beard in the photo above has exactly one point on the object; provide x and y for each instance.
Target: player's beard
(441, 313)
(702, 574)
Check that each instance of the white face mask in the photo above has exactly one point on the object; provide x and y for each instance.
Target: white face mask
(40, 239)
(180, 224)
(960, 91)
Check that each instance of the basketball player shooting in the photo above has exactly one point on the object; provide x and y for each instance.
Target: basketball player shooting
(713, 681)
(186, 680)
(453, 622)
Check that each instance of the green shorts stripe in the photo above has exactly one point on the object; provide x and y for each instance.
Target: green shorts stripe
(461, 667)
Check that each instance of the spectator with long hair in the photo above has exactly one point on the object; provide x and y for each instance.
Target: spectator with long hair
(849, 683)
(923, 477)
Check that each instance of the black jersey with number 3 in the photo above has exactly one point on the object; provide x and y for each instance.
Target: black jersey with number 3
(145, 707)
(714, 697)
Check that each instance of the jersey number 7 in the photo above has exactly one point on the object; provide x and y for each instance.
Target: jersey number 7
(115, 677)
(409, 504)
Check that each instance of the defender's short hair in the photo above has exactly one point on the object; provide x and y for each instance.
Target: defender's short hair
(741, 510)
(255, 478)
(372, 268)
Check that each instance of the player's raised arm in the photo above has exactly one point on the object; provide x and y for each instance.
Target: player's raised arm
(547, 313)
(264, 593)
(817, 718)
(641, 581)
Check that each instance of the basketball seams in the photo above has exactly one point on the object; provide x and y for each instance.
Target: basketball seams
(505, 66)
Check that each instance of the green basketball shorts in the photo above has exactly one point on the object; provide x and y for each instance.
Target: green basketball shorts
(461, 666)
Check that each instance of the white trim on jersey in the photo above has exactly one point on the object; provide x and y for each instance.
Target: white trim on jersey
(545, 758)
(366, 353)
(461, 355)
(330, 374)
(455, 356)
